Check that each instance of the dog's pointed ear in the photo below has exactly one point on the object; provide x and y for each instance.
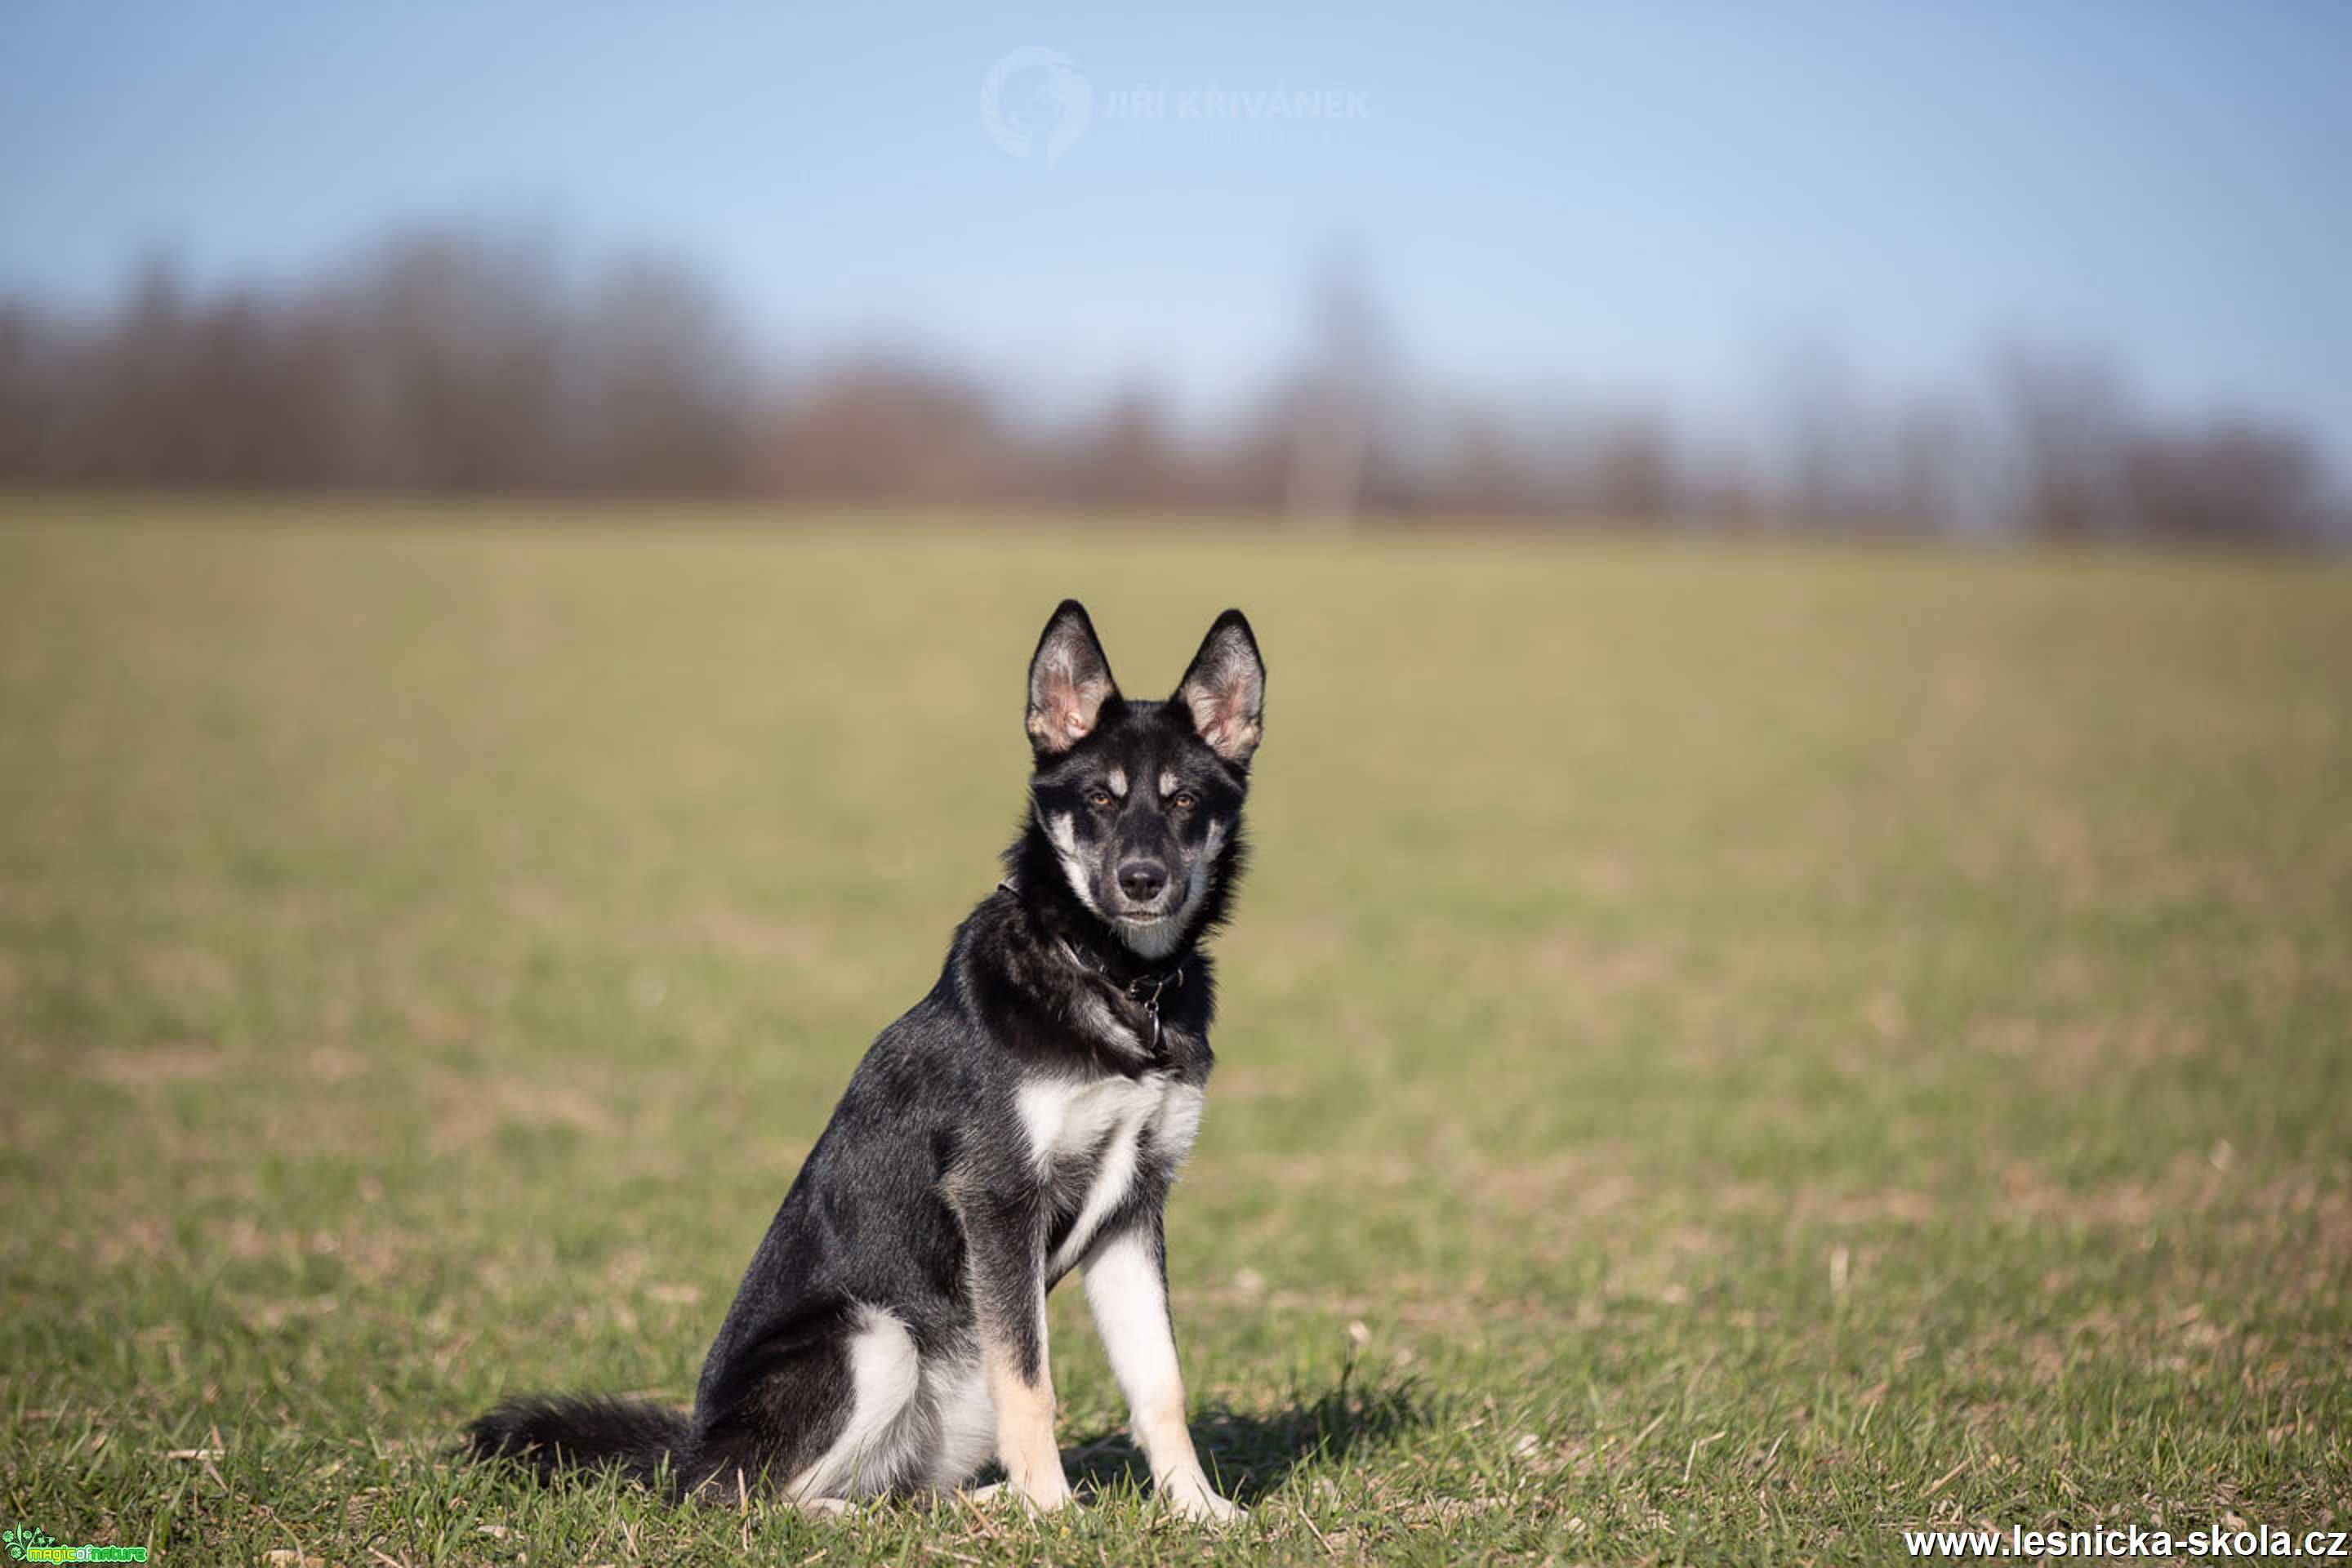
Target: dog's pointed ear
(1069, 682)
(1224, 689)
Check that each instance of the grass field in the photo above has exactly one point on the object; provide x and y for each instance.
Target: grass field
(1726, 1053)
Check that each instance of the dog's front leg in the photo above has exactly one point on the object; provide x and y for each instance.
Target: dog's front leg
(1127, 1286)
(1006, 1246)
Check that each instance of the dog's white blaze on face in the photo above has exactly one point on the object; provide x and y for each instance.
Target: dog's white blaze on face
(1063, 832)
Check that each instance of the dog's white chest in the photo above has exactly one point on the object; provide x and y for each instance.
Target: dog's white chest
(1105, 1122)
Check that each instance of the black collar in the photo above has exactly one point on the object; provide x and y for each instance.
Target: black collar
(1144, 990)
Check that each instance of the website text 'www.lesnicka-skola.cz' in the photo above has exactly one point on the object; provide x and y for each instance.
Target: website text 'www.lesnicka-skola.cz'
(2215, 1543)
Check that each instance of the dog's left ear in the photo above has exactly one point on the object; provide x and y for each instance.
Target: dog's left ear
(1224, 689)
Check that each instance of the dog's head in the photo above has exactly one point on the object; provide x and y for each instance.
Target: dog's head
(1142, 801)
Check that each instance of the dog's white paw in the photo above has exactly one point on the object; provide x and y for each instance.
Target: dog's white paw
(1040, 1500)
(1196, 1502)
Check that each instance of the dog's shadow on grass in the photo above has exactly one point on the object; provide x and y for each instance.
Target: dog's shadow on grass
(1250, 1455)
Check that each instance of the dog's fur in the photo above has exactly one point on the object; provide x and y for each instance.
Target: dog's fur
(1025, 1117)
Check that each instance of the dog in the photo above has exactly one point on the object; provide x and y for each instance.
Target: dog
(1026, 1117)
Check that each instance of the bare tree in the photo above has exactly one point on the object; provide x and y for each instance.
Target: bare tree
(457, 360)
(2067, 420)
(1632, 469)
(663, 393)
(1340, 392)
(2234, 482)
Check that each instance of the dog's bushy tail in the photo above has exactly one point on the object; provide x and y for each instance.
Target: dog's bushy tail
(553, 1436)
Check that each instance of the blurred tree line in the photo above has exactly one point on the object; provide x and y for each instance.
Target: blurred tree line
(455, 362)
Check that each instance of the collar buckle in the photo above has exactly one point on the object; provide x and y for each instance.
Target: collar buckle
(1145, 992)
(1146, 989)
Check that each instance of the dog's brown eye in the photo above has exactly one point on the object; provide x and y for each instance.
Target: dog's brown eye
(1183, 800)
(1099, 798)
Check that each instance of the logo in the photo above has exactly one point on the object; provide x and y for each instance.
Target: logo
(1035, 102)
(27, 1544)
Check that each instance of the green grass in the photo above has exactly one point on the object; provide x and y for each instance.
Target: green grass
(1726, 1053)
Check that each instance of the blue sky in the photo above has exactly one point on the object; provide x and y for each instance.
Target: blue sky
(1662, 199)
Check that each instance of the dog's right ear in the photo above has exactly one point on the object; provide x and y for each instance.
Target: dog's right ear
(1069, 682)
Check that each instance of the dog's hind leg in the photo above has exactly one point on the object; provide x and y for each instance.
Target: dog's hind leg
(955, 1389)
(886, 1439)
(831, 1414)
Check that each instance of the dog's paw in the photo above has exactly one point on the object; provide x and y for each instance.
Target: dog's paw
(1197, 1502)
(1038, 1500)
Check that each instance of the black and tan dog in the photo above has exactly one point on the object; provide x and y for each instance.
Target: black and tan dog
(1025, 1118)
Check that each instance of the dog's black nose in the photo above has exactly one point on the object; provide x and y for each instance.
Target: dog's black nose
(1142, 879)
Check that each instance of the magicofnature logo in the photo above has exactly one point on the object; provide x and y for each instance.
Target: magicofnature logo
(27, 1544)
